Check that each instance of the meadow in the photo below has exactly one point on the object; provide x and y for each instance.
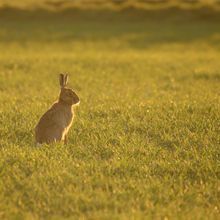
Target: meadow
(146, 137)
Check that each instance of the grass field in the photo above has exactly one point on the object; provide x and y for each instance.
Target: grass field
(146, 137)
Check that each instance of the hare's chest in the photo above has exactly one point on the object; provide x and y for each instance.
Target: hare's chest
(67, 122)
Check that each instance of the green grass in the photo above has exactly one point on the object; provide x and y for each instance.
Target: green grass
(145, 140)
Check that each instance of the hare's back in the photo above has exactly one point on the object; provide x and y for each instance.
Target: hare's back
(49, 117)
(47, 127)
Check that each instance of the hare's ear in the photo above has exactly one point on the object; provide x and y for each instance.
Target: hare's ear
(66, 78)
(62, 80)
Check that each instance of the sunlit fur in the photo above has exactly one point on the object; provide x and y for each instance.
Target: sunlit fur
(54, 125)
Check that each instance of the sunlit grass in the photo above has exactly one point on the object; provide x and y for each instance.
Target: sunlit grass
(145, 140)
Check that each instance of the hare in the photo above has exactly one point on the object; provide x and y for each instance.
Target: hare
(54, 125)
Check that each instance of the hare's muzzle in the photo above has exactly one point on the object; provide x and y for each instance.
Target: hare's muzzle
(76, 100)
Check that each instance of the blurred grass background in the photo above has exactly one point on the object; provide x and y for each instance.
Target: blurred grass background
(111, 4)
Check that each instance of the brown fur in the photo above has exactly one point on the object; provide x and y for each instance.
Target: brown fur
(54, 125)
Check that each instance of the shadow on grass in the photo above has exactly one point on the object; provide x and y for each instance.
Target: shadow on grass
(137, 29)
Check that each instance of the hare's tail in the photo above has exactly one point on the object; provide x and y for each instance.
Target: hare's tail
(36, 144)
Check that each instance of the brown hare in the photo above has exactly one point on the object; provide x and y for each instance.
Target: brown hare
(54, 125)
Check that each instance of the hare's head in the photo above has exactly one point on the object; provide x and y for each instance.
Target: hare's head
(67, 95)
